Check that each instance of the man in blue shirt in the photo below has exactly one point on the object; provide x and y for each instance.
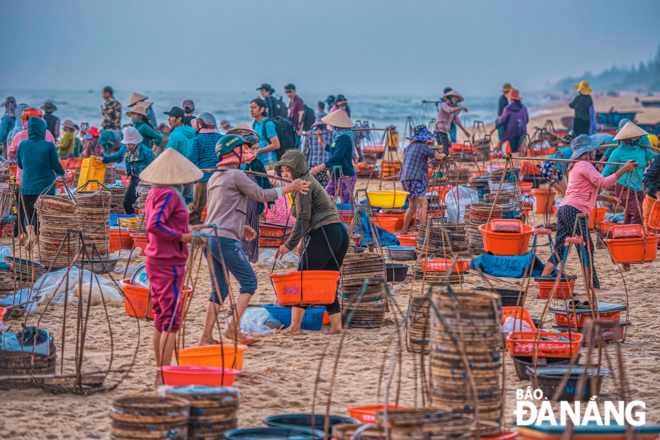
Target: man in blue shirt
(202, 154)
(269, 144)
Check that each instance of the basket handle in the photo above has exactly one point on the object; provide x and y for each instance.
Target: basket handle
(575, 240)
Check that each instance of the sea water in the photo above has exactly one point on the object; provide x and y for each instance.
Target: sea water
(380, 111)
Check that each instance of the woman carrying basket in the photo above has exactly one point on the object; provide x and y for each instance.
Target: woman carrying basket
(166, 215)
(328, 238)
(228, 193)
(581, 195)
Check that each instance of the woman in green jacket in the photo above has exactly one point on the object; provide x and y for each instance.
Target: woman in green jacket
(141, 121)
(629, 187)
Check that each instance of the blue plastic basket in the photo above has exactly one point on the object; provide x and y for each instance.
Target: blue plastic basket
(312, 319)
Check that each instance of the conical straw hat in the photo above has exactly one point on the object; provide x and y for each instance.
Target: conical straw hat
(137, 108)
(339, 118)
(630, 130)
(171, 168)
(135, 98)
(146, 104)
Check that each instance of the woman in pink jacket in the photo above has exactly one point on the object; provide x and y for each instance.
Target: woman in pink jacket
(166, 215)
(584, 185)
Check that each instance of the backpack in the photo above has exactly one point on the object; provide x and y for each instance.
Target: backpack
(308, 118)
(285, 133)
(276, 108)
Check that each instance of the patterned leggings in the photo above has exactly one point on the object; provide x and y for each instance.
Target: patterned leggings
(566, 216)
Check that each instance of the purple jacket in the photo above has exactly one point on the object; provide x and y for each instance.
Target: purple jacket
(167, 220)
(513, 121)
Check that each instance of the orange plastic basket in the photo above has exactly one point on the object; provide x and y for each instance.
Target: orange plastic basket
(579, 320)
(139, 298)
(408, 240)
(596, 218)
(654, 216)
(213, 355)
(506, 243)
(633, 250)
(184, 375)
(140, 241)
(460, 148)
(387, 223)
(443, 265)
(525, 187)
(518, 313)
(564, 289)
(13, 169)
(306, 287)
(399, 219)
(120, 239)
(626, 231)
(525, 344)
(367, 414)
(541, 195)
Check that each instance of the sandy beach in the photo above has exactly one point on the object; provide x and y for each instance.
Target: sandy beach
(279, 371)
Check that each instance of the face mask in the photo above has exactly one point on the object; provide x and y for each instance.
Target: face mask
(632, 142)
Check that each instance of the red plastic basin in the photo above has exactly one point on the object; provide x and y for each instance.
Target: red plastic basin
(184, 375)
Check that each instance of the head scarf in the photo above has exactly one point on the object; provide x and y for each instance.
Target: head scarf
(10, 106)
(18, 126)
(421, 134)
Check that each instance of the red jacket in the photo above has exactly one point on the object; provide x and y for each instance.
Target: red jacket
(167, 220)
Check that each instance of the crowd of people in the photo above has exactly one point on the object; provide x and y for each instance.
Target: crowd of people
(295, 162)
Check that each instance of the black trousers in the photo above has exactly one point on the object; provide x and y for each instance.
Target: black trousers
(581, 126)
(28, 214)
(321, 253)
(131, 195)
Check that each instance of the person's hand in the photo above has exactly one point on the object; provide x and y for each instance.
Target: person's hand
(282, 251)
(629, 166)
(464, 109)
(299, 186)
(492, 131)
(467, 133)
(187, 237)
(249, 233)
(613, 200)
(314, 171)
(197, 228)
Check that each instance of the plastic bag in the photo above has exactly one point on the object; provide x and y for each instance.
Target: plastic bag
(511, 323)
(129, 273)
(288, 260)
(54, 285)
(5, 251)
(457, 199)
(22, 297)
(257, 321)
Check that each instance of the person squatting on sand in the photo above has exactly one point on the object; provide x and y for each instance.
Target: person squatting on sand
(581, 195)
(166, 215)
(228, 192)
(317, 224)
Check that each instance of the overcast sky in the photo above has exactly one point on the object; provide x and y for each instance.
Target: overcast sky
(357, 46)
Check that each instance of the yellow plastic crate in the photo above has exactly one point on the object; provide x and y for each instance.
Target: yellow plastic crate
(92, 169)
(128, 223)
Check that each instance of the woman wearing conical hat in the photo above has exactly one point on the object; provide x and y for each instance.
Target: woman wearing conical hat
(166, 216)
(629, 187)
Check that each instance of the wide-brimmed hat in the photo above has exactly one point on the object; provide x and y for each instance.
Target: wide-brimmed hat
(242, 129)
(514, 94)
(49, 107)
(584, 144)
(69, 124)
(318, 119)
(630, 130)
(137, 108)
(135, 98)
(93, 131)
(338, 118)
(131, 136)
(171, 168)
(583, 87)
(506, 87)
(453, 93)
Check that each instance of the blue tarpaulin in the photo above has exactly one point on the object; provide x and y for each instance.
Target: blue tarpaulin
(385, 237)
(507, 267)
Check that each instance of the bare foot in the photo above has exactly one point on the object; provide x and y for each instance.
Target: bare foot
(332, 331)
(22, 239)
(230, 334)
(159, 380)
(292, 332)
(207, 340)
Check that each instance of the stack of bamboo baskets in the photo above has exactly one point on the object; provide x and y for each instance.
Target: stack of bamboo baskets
(367, 311)
(466, 355)
(94, 216)
(57, 214)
